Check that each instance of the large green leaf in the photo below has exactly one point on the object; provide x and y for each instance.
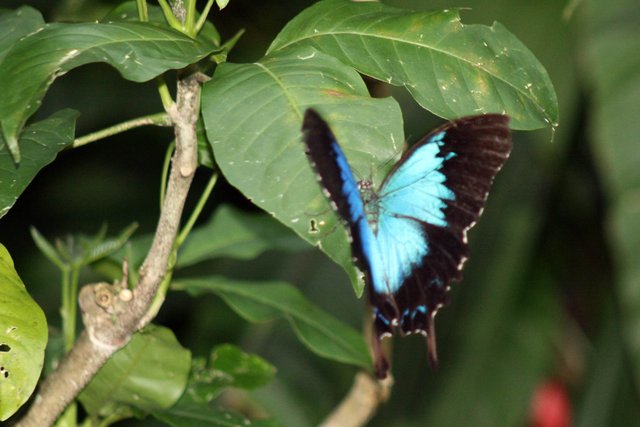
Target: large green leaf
(253, 114)
(230, 233)
(139, 51)
(227, 366)
(247, 371)
(237, 234)
(41, 142)
(16, 24)
(23, 338)
(149, 373)
(451, 69)
(320, 332)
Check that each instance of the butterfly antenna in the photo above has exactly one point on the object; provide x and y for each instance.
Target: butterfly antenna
(431, 344)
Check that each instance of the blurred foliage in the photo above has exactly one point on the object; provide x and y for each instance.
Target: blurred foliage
(552, 289)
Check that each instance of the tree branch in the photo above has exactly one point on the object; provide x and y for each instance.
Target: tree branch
(361, 403)
(113, 313)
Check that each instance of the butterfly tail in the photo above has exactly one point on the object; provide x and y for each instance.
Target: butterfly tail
(380, 362)
(432, 349)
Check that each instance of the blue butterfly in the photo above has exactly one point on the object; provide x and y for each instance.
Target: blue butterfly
(409, 237)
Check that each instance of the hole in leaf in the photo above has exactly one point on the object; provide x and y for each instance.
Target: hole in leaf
(5, 347)
(4, 372)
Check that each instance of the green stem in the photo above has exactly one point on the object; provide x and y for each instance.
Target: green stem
(68, 314)
(65, 311)
(196, 211)
(159, 297)
(165, 172)
(69, 417)
(169, 16)
(165, 95)
(159, 119)
(203, 16)
(113, 418)
(143, 13)
(190, 19)
(73, 307)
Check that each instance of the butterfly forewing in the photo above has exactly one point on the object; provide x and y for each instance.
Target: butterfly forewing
(338, 183)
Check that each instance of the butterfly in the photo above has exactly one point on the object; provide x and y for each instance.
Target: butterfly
(409, 237)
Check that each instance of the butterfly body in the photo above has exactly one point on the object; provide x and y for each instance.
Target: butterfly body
(408, 237)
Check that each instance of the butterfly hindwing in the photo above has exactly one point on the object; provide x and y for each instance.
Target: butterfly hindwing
(409, 238)
(440, 187)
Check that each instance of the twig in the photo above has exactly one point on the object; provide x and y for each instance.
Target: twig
(160, 119)
(361, 403)
(110, 313)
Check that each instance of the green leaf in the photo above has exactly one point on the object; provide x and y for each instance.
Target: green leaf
(220, 56)
(48, 250)
(320, 332)
(149, 373)
(228, 366)
(100, 247)
(237, 234)
(222, 3)
(23, 338)
(128, 11)
(15, 24)
(230, 233)
(81, 250)
(194, 415)
(41, 142)
(450, 69)
(247, 371)
(139, 51)
(253, 114)
(205, 154)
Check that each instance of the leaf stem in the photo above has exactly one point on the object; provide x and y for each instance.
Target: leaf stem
(159, 119)
(65, 312)
(165, 95)
(189, 21)
(159, 297)
(143, 13)
(169, 16)
(70, 329)
(69, 417)
(203, 16)
(196, 211)
(165, 171)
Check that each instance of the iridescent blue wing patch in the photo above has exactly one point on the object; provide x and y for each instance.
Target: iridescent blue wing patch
(409, 237)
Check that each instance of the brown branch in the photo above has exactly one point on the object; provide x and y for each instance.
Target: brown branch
(112, 313)
(361, 403)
